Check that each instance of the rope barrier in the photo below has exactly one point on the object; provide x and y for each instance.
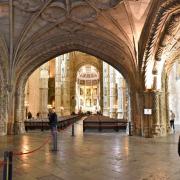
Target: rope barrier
(1, 163)
(34, 150)
(8, 156)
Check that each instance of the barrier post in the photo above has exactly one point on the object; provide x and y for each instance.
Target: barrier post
(5, 166)
(42, 128)
(73, 129)
(179, 146)
(130, 133)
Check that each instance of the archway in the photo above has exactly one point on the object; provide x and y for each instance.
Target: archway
(76, 82)
(27, 71)
(49, 29)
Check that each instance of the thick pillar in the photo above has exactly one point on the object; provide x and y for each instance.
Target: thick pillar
(3, 112)
(105, 89)
(65, 74)
(101, 87)
(153, 126)
(58, 62)
(44, 76)
(164, 107)
(155, 122)
(112, 111)
(19, 112)
(120, 91)
(156, 128)
(73, 84)
(148, 113)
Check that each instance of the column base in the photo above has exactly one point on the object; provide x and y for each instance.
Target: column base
(120, 115)
(159, 130)
(112, 114)
(136, 131)
(169, 130)
(156, 130)
(10, 128)
(19, 128)
(105, 112)
(3, 128)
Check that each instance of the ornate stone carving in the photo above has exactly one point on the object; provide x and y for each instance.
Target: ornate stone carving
(71, 27)
(55, 12)
(78, 11)
(166, 7)
(29, 5)
(58, 10)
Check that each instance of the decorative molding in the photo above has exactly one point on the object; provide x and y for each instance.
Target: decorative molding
(3, 59)
(156, 28)
(159, 37)
(58, 10)
(29, 5)
(169, 30)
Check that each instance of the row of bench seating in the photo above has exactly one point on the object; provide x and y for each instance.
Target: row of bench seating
(102, 122)
(43, 124)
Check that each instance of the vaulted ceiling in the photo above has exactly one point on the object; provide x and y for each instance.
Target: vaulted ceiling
(127, 34)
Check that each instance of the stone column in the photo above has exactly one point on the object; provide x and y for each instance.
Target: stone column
(66, 85)
(58, 62)
(156, 129)
(73, 84)
(101, 87)
(76, 97)
(120, 91)
(19, 112)
(44, 76)
(163, 108)
(3, 111)
(168, 128)
(112, 111)
(105, 89)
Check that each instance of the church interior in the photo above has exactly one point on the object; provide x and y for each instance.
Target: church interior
(109, 73)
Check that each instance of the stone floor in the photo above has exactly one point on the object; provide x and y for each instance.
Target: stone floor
(94, 156)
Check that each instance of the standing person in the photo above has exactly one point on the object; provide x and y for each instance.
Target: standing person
(53, 125)
(172, 118)
(29, 115)
(37, 115)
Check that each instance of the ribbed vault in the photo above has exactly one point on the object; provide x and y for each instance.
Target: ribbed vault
(162, 48)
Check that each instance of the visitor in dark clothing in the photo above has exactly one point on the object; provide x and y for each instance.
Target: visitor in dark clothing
(53, 125)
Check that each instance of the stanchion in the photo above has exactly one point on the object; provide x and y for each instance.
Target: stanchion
(42, 128)
(7, 166)
(130, 133)
(179, 146)
(73, 129)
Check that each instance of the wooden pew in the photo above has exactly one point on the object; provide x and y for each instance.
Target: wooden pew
(43, 124)
(103, 122)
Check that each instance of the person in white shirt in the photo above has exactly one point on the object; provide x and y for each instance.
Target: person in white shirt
(172, 118)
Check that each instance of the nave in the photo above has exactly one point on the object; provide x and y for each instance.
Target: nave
(91, 156)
